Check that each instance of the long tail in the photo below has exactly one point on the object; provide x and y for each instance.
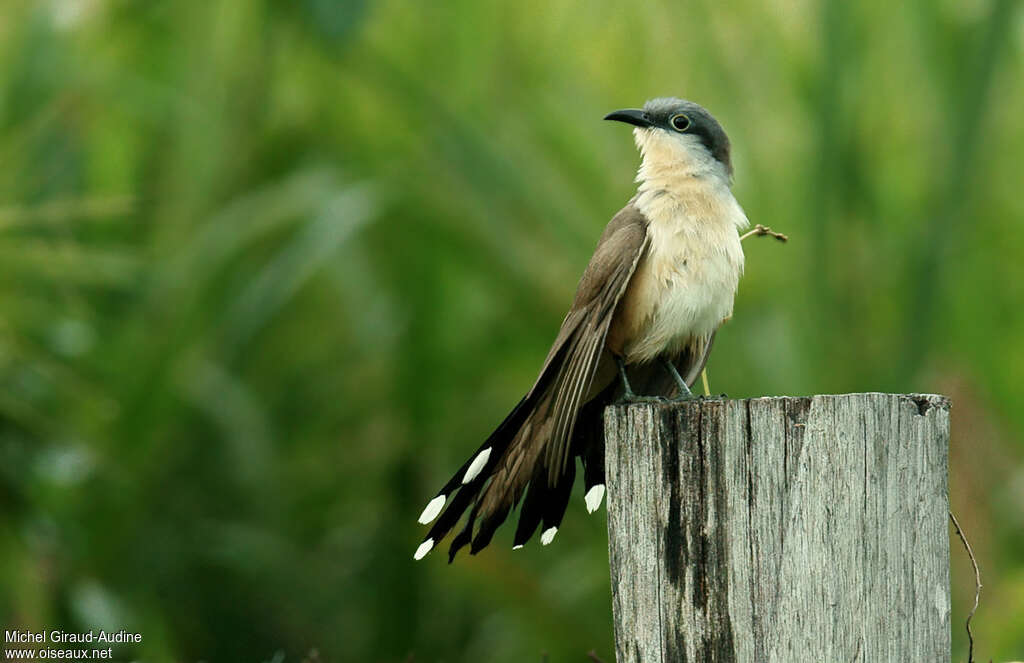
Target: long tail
(465, 486)
(496, 477)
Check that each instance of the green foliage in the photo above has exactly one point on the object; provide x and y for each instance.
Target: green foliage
(271, 270)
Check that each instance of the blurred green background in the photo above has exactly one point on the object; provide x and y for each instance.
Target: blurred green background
(269, 271)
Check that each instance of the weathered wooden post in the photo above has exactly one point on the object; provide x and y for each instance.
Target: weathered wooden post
(780, 529)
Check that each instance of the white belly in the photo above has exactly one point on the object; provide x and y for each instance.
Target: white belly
(685, 285)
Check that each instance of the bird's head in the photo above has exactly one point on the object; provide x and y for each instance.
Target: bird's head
(678, 135)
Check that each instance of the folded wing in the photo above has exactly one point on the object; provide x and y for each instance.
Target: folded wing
(536, 443)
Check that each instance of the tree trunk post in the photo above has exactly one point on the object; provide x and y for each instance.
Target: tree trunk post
(780, 529)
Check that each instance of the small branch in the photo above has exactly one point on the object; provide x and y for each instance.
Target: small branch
(592, 655)
(762, 231)
(977, 587)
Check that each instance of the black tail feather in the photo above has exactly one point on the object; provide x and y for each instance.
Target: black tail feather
(593, 465)
(456, 507)
(558, 499)
(498, 441)
(487, 528)
(465, 494)
(463, 537)
(589, 440)
(537, 495)
(541, 501)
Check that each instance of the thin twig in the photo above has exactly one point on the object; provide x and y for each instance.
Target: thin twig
(977, 587)
(761, 231)
(592, 655)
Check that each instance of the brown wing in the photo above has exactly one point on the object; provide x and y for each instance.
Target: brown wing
(618, 251)
(533, 444)
(541, 452)
(603, 283)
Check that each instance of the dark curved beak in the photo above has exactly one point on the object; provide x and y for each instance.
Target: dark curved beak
(633, 116)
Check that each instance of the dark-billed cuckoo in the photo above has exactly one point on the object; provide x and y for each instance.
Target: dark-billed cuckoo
(660, 283)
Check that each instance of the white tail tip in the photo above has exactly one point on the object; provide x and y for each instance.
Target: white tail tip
(548, 536)
(424, 548)
(592, 498)
(477, 465)
(433, 508)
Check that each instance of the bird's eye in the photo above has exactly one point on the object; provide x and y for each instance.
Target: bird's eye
(680, 122)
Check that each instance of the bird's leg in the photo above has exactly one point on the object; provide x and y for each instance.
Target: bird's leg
(684, 391)
(628, 396)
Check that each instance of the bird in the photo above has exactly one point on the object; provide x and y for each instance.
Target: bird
(662, 280)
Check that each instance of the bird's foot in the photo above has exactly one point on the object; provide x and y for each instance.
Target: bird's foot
(635, 398)
(628, 396)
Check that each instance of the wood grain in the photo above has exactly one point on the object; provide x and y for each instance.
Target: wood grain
(780, 529)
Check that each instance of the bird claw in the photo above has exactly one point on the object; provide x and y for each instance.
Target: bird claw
(634, 398)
